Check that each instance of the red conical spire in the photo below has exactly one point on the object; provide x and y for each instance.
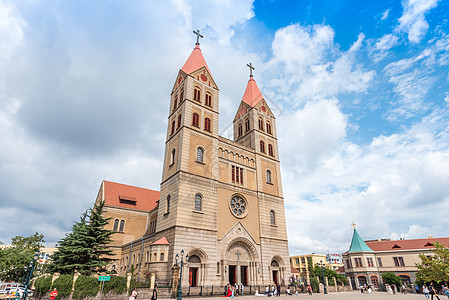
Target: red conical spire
(252, 94)
(195, 61)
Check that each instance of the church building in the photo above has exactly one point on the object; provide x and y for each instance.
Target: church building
(220, 200)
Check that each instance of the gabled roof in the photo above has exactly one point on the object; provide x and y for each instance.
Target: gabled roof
(358, 244)
(195, 61)
(399, 245)
(252, 94)
(127, 196)
(161, 241)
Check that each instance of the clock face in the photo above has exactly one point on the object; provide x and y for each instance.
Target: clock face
(238, 206)
(203, 77)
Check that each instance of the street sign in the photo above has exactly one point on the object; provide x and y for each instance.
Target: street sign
(104, 278)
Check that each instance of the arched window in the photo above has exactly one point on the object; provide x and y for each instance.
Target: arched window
(272, 217)
(207, 124)
(181, 96)
(196, 120)
(262, 147)
(115, 224)
(179, 121)
(194, 259)
(268, 176)
(122, 226)
(197, 94)
(240, 129)
(246, 125)
(374, 281)
(270, 150)
(168, 204)
(154, 257)
(162, 257)
(208, 100)
(260, 124)
(268, 128)
(175, 103)
(172, 127)
(173, 156)
(199, 154)
(198, 202)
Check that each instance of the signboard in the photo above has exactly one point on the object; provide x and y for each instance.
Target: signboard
(104, 278)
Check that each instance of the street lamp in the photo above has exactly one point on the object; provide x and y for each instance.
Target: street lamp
(29, 274)
(182, 263)
(322, 273)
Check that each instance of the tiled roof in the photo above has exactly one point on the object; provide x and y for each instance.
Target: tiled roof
(127, 196)
(252, 94)
(357, 244)
(406, 244)
(161, 241)
(195, 61)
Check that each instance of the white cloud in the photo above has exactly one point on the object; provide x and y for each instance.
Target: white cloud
(413, 20)
(11, 31)
(385, 14)
(381, 48)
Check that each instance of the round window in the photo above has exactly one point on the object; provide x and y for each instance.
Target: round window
(238, 206)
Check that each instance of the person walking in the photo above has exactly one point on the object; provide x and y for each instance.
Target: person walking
(154, 296)
(53, 294)
(278, 287)
(133, 294)
(425, 291)
(433, 292)
(309, 289)
(242, 287)
(446, 291)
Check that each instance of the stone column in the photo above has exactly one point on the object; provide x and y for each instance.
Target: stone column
(75, 277)
(54, 277)
(350, 282)
(128, 280)
(175, 278)
(153, 280)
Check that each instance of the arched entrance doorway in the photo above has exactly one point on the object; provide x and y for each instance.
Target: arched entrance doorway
(194, 266)
(240, 261)
(275, 271)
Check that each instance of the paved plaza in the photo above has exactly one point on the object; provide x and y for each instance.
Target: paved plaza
(343, 295)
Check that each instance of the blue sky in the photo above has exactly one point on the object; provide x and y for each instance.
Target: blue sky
(360, 90)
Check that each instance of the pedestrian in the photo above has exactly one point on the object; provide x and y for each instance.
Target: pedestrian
(154, 297)
(233, 291)
(225, 289)
(229, 292)
(278, 287)
(426, 291)
(266, 290)
(236, 289)
(393, 289)
(404, 289)
(361, 288)
(446, 291)
(433, 292)
(53, 294)
(242, 287)
(133, 294)
(309, 289)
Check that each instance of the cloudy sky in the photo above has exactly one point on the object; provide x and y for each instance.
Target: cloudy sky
(360, 90)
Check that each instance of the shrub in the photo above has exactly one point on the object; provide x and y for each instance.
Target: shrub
(85, 286)
(63, 285)
(117, 285)
(42, 285)
(138, 284)
(314, 284)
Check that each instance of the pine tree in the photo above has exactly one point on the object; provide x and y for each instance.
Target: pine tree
(85, 247)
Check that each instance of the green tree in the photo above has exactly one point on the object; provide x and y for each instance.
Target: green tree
(14, 259)
(85, 247)
(435, 267)
(391, 278)
(316, 272)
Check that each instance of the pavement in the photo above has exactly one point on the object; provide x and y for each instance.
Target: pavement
(331, 296)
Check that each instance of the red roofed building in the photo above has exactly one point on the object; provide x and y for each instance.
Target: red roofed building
(365, 261)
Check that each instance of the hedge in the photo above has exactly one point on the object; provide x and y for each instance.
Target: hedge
(117, 285)
(63, 285)
(85, 286)
(42, 285)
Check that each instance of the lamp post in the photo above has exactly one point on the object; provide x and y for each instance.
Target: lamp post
(180, 273)
(322, 273)
(29, 274)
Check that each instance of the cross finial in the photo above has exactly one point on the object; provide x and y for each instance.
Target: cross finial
(198, 36)
(251, 68)
(353, 224)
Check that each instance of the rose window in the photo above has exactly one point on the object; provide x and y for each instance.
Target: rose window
(238, 206)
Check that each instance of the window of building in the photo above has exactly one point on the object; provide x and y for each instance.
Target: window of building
(237, 174)
(208, 100)
(262, 147)
(348, 263)
(172, 127)
(175, 103)
(218, 267)
(401, 261)
(374, 281)
(148, 256)
(168, 204)
(179, 121)
(207, 124)
(154, 257)
(268, 176)
(270, 150)
(358, 262)
(181, 96)
(303, 260)
(370, 262)
(297, 260)
(268, 128)
(199, 154)
(173, 156)
(162, 257)
(260, 124)
(240, 129)
(379, 262)
(246, 125)
(238, 206)
(198, 202)
(197, 94)
(122, 226)
(196, 120)
(272, 217)
(116, 221)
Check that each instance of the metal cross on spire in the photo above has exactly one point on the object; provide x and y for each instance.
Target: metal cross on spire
(198, 36)
(353, 224)
(251, 68)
